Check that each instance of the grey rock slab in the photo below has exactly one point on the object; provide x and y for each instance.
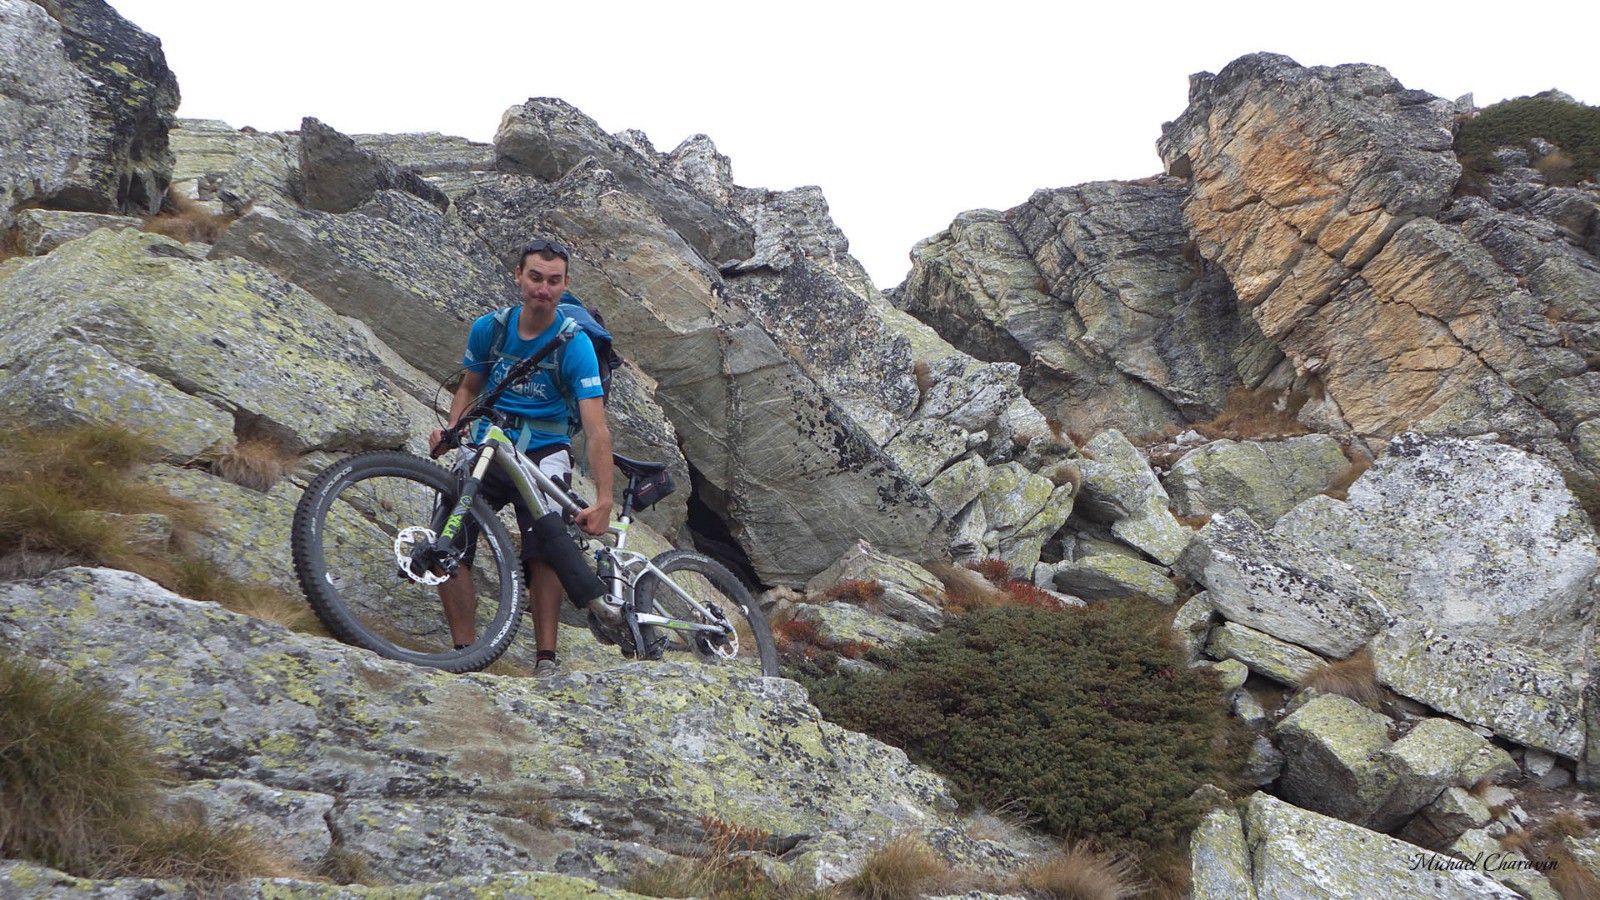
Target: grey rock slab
(1264, 764)
(230, 697)
(232, 169)
(1296, 854)
(1119, 488)
(1290, 592)
(1445, 819)
(1523, 695)
(1283, 662)
(41, 230)
(1265, 480)
(1334, 758)
(1112, 576)
(254, 347)
(838, 622)
(1219, 860)
(418, 295)
(70, 383)
(339, 176)
(1472, 536)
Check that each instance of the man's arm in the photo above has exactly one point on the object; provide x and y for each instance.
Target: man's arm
(467, 391)
(597, 434)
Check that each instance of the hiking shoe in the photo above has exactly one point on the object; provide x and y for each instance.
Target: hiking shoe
(546, 668)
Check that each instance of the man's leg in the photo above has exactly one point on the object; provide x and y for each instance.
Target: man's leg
(544, 599)
(460, 606)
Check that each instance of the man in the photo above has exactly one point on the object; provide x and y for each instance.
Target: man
(550, 557)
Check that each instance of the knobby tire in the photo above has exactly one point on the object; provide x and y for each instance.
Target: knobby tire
(342, 540)
(710, 582)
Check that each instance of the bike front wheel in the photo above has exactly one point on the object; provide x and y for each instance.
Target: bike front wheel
(352, 533)
(716, 589)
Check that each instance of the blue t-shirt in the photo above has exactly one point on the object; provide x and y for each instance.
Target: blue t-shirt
(537, 396)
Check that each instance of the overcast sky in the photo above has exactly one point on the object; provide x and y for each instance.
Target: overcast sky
(903, 115)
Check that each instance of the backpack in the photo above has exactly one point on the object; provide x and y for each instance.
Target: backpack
(593, 325)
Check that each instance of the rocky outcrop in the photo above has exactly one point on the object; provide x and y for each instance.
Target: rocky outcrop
(396, 264)
(259, 357)
(1093, 291)
(86, 100)
(547, 138)
(339, 176)
(401, 757)
(1326, 194)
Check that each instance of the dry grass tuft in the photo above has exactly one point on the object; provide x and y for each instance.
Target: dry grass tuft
(184, 219)
(1252, 414)
(1571, 879)
(965, 590)
(924, 376)
(344, 866)
(725, 866)
(1080, 872)
(185, 847)
(902, 869)
(256, 464)
(1352, 677)
(1063, 473)
(77, 788)
(857, 593)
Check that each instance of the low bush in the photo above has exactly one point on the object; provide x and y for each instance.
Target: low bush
(1089, 718)
(1573, 127)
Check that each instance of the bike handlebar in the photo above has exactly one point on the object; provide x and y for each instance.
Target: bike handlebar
(522, 369)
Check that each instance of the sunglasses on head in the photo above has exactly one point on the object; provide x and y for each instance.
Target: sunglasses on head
(540, 245)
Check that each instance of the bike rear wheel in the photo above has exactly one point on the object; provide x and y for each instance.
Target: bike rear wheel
(712, 585)
(351, 528)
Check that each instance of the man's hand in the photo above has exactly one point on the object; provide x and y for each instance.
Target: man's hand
(436, 447)
(595, 520)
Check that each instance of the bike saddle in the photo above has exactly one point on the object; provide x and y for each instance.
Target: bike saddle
(637, 467)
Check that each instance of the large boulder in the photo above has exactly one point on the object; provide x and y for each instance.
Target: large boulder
(1334, 759)
(1265, 480)
(546, 138)
(1296, 854)
(232, 169)
(229, 342)
(1523, 695)
(86, 100)
(410, 756)
(1120, 489)
(453, 164)
(398, 264)
(1292, 592)
(1473, 537)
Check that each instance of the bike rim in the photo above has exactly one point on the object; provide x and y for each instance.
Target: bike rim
(395, 615)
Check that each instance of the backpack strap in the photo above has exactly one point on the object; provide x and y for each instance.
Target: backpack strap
(499, 336)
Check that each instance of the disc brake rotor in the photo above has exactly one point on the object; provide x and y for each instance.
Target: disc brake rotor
(405, 543)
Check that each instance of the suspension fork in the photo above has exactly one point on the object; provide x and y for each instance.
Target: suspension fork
(441, 551)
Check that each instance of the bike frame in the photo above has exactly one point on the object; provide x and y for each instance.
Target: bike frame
(627, 566)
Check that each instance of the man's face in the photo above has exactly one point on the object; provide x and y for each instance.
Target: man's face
(542, 280)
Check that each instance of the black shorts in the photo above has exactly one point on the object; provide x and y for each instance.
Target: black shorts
(496, 490)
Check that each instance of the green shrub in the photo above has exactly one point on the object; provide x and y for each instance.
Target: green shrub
(1574, 127)
(1087, 718)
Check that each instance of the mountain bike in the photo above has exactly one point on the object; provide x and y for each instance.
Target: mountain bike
(376, 533)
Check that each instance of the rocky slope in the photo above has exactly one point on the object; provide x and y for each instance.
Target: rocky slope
(1307, 242)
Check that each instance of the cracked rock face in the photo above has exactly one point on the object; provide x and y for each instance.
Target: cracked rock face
(1327, 196)
(86, 100)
